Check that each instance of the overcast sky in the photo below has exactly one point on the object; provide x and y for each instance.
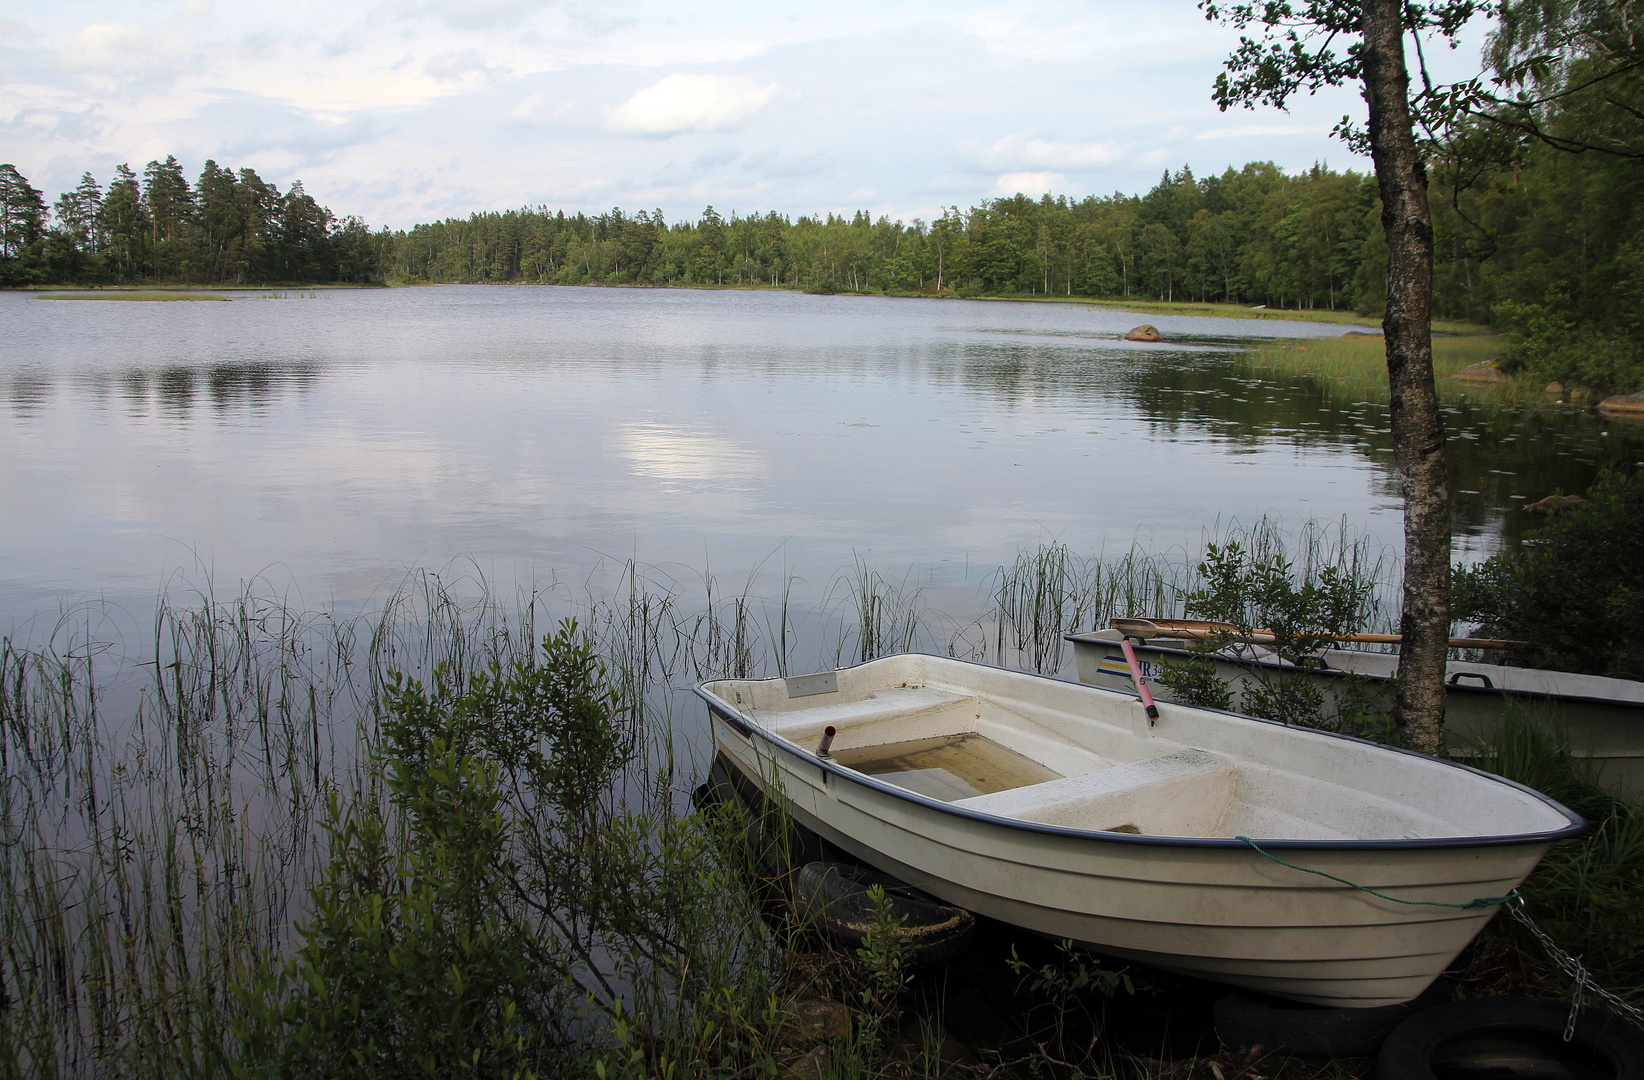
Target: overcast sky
(411, 110)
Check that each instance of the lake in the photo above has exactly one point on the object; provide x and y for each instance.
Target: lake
(324, 445)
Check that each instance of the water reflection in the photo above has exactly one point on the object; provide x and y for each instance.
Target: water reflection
(364, 432)
(681, 458)
(28, 392)
(1499, 456)
(173, 390)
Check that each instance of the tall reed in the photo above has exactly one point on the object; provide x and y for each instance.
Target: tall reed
(1049, 591)
(163, 820)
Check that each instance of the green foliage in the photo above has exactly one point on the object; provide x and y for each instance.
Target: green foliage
(22, 228)
(409, 964)
(1075, 974)
(1548, 343)
(503, 897)
(1194, 682)
(1258, 596)
(1252, 593)
(1246, 235)
(1588, 893)
(883, 962)
(1067, 1020)
(227, 229)
(1575, 590)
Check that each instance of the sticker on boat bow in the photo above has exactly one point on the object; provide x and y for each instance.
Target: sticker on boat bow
(1152, 670)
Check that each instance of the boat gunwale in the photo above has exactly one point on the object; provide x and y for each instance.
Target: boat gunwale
(746, 726)
(1086, 638)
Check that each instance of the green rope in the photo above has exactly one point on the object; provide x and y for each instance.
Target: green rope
(1481, 902)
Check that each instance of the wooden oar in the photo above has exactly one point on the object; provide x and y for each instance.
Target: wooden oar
(1200, 630)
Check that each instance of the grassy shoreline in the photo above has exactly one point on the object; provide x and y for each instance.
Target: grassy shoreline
(93, 292)
(1357, 367)
(1138, 305)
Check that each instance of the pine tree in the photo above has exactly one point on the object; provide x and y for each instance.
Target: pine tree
(170, 206)
(22, 228)
(76, 214)
(122, 222)
(220, 227)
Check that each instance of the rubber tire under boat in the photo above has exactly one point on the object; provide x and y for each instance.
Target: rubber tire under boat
(836, 896)
(1510, 1038)
(1289, 1027)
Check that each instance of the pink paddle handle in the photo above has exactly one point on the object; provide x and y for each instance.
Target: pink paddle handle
(1136, 677)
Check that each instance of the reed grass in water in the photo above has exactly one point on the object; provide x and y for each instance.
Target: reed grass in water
(449, 835)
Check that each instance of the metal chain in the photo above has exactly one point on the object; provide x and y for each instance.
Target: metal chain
(1513, 902)
(1572, 967)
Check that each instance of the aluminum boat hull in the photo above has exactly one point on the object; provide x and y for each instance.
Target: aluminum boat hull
(1602, 718)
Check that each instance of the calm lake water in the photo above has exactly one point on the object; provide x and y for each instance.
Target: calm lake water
(329, 444)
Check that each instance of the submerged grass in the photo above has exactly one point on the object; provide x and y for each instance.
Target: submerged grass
(1342, 316)
(1357, 366)
(131, 294)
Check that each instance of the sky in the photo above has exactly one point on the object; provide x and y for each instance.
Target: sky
(402, 111)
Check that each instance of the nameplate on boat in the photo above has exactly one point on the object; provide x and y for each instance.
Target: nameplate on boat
(825, 682)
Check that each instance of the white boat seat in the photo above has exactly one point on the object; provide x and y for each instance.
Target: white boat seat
(899, 702)
(1187, 793)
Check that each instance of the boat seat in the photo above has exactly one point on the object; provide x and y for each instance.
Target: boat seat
(1187, 793)
(898, 702)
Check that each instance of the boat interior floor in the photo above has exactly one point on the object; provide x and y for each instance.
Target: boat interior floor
(981, 755)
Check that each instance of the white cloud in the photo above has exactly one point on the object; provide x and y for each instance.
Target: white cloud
(1023, 152)
(457, 66)
(539, 108)
(482, 14)
(120, 51)
(1254, 131)
(681, 102)
(409, 110)
(1030, 183)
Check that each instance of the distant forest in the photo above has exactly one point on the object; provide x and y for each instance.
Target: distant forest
(1538, 209)
(227, 229)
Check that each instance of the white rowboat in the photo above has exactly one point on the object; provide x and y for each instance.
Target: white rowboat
(1602, 718)
(1058, 807)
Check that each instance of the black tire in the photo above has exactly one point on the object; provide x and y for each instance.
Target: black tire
(1289, 1027)
(1511, 1039)
(835, 895)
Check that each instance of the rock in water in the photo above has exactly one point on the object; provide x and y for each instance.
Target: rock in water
(1144, 332)
(1552, 504)
(1486, 372)
(1622, 405)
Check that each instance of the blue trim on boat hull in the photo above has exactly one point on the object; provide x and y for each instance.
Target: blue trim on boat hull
(746, 727)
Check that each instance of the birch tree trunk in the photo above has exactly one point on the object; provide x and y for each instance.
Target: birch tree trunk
(1418, 430)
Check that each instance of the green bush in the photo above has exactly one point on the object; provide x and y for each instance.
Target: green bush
(1253, 593)
(1575, 590)
(509, 893)
(1549, 345)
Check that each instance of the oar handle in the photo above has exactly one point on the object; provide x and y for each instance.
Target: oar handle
(1136, 677)
(1189, 630)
